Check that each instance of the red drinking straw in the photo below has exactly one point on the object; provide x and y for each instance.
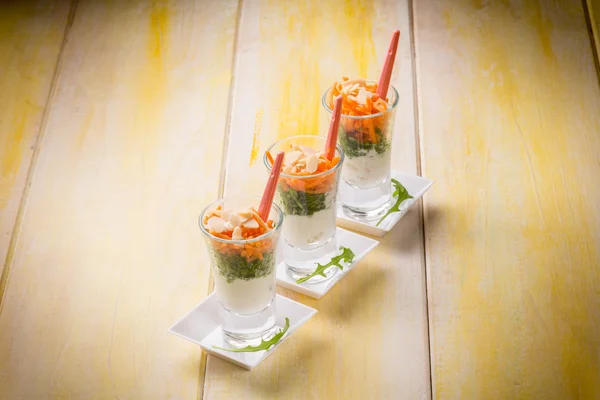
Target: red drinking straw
(269, 193)
(334, 124)
(386, 73)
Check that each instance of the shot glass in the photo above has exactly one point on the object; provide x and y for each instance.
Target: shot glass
(309, 204)
(366, 191)
(244, 275)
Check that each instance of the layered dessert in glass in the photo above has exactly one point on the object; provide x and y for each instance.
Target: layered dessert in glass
(365, 135)
(243, 250)
(307, 194)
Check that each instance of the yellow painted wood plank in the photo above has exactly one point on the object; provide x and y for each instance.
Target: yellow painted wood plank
(110, 254)
(509, 106)
(31, 34)
(369, 339)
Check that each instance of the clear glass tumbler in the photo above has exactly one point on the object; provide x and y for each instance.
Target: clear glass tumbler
(366, 140)
(309, 203)
(244, 275)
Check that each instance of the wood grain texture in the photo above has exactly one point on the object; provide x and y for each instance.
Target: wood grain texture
(31, 35)
(110, 254)
(369, 339)
(510, 132)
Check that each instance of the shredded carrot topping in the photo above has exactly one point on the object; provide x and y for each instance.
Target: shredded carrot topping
(303, 168)
(360, 99)
(250, 251)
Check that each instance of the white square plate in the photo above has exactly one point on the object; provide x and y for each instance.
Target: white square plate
(202, 326)
(360, 246)
(416, 187)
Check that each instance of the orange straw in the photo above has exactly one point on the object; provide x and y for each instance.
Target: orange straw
(269, 193)
(334, 124)
(386, 73)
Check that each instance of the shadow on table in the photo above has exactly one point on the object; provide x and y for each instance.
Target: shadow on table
(373, 277)
(351, 297)
(405, 236)
(433, 217)
(407, 233)
(286, 368)
(277, 374)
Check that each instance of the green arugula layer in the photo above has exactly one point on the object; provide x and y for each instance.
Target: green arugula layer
(353, 148)
(301, 203)
(264, 345)
(235, 266)
(400, 194)
(347, 256)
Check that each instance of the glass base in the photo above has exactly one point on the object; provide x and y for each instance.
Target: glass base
(366, 215)
(240, 341)
(300, 263)
(243, 330)
(366, 204)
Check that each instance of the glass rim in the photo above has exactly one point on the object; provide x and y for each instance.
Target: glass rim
(264, 236)
(393, 106)
(329, 171)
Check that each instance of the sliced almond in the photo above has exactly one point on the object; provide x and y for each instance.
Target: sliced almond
(224, 214)
(216, 224)
(245, 213)
(287, 169)
(250, 223)
(361, 97)
(237, 233)
(312, 162)
(291, 157)
(235, 220)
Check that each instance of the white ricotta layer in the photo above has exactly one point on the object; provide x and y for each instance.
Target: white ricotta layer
(303, 231)
(367, 171)
(246, 297)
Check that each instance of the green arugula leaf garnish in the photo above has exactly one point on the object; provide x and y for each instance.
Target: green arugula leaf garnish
(346, 256)
(402, 194)
(263, 345)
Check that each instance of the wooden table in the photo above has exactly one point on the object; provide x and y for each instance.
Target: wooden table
(120, 120)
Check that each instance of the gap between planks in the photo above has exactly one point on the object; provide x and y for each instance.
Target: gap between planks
(4, 278)
(421, 208)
